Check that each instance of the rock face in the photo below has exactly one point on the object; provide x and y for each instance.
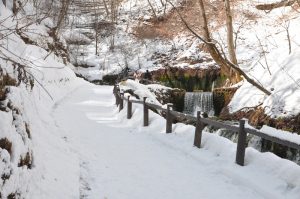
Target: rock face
(189, 79)
(258, 118)
(174, 96)
(221, 98)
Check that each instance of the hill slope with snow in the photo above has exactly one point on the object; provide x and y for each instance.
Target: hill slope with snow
(263, 41)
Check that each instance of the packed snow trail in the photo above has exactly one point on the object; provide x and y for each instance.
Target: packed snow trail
(121, 159)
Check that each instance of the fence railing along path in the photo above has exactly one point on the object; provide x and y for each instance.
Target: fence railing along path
(200, 124)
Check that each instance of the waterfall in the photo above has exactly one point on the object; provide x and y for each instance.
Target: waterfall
(213, 86)
(198, 101)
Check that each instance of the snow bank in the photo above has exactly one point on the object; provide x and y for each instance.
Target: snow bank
(41, 161)
(284, 135)
(142, 90)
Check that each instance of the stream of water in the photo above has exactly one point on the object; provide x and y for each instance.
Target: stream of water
(198, 101)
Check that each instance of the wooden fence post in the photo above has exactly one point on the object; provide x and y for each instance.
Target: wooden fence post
(129, 108)
(116, 93)
(121, 101)
(198, 131)
(169, 119)
(146, 113)
(241, 145)
(117, 96)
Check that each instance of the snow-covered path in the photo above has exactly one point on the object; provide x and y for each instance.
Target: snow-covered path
(121, 159)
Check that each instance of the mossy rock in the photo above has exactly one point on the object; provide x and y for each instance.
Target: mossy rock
(110, 79)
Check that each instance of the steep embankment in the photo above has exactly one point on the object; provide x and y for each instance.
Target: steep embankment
(36, 161)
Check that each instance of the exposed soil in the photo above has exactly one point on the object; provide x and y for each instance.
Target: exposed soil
(171, 25)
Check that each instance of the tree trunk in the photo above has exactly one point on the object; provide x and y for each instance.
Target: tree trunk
(224, 68)
(106, 8)
(272, 6)
(62, 14)
(230, 40)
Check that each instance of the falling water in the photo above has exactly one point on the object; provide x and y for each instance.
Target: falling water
(213, 86)
(198, 101)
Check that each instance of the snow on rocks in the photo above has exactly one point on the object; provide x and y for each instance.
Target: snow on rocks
(142, 90)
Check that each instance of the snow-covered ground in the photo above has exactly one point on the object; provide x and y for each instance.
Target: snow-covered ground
(121, 159)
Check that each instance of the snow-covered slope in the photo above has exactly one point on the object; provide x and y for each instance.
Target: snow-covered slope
(122, 47)
(262, 45)
(36, 161)
(263, 49)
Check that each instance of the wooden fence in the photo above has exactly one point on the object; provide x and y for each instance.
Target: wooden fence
(200, 124)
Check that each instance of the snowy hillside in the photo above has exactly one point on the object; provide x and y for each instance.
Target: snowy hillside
(263, 40)
(269, 60)
(35, 159)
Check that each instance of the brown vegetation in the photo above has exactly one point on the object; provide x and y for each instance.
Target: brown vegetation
(5, 80)
(26, 161)
(6, 144)
(258, 118)
(271, 6)
(171, 25)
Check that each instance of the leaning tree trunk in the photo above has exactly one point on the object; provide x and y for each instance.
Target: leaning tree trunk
(271, 6)
(211, 47)
(230, 40)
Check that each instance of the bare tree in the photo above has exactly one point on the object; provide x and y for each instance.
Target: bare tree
(65, 4)
(95, 25)
(218, 55)
(113, 11)
(106, 7)
(285, 24)
(230, 41)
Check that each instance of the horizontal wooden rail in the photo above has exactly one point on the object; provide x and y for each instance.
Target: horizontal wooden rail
(183, 116)
(200, 123)
(273, 139)
(155, 106)
(218, 124)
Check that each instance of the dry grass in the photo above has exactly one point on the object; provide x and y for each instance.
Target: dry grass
(5, 80)
(27, 130)
(6, 144)
(171, 25)
(26, 161)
